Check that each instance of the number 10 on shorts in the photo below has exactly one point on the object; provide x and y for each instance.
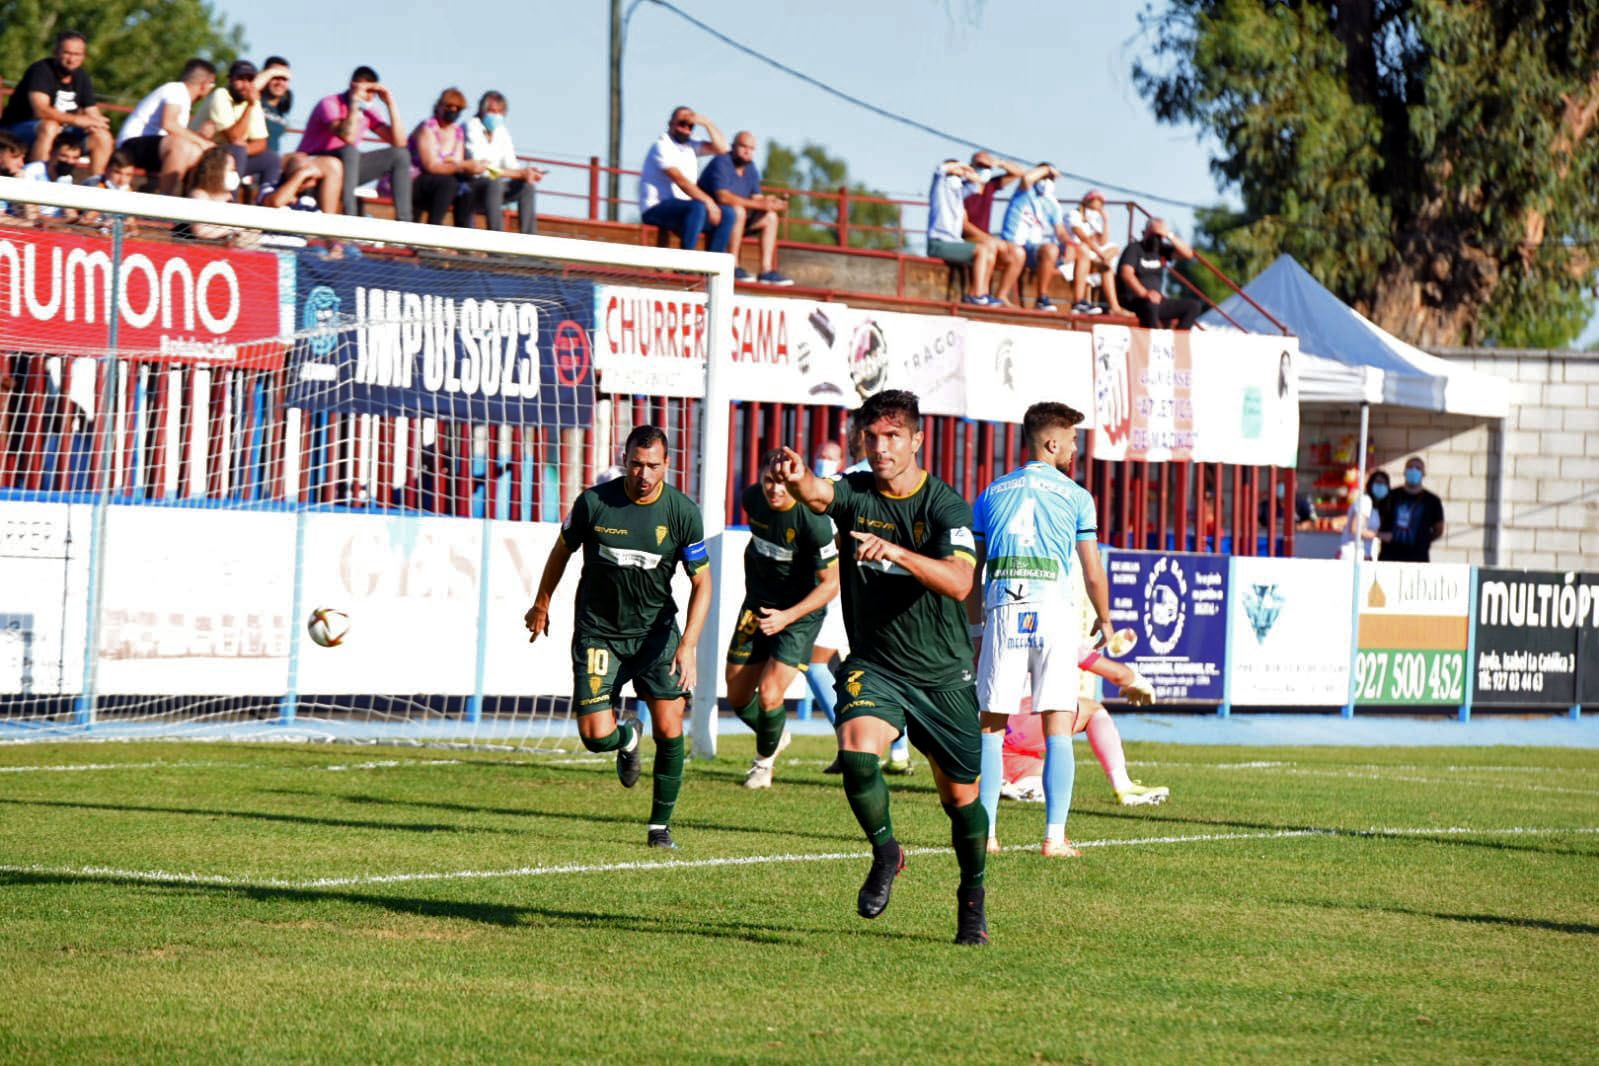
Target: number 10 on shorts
(599, 661)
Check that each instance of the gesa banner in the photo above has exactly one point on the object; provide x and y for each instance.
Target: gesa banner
(456, 344)
(1210, 397)
(1529, 629)
(652, 342)
(189, 302)
(1177, 605)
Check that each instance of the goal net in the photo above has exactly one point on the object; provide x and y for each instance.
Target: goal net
(289, 411)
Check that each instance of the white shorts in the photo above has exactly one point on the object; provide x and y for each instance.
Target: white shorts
(1036, 641)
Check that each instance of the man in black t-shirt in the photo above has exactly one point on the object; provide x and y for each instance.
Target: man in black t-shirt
(55, 96)
(1141, 278)
(1412, 518)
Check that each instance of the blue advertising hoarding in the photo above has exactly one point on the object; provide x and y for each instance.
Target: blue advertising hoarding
(1177, 605)
(463, 345)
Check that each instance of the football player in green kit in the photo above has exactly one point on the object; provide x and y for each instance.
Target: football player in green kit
(633, 532)
(910, 659)
(790, 574)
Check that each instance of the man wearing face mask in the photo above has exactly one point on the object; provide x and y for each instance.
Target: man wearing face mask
(1035, 227)
(233, 117)
(1412, 518)
(488, 141)
(669, 197)
(62, 167)
(1141, 279)
(339, 123)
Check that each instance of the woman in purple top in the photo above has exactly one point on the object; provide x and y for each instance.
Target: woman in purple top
(438, 159)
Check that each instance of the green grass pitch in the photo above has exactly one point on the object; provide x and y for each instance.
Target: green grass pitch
(256, 903)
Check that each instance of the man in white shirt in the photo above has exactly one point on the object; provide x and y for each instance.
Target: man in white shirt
(668, 196)
(157, 132)
(489, 141)
(61, 167)
(947, 238)
(1095, 252)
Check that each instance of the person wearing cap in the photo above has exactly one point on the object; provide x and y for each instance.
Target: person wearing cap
(233, 117)
(1093, 253)
(339, 123)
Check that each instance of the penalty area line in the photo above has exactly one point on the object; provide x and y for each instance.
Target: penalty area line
(110, 873)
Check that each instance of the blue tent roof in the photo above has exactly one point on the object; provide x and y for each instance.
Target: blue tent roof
(1357, 361)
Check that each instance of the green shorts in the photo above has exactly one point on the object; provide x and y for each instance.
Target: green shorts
(792, 646)
(943, 723)
(951, 251)
(602, 665)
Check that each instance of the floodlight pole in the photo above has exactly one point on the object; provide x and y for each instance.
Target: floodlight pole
(613, 181)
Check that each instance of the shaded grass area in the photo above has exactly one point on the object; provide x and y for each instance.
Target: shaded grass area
(1387, 935)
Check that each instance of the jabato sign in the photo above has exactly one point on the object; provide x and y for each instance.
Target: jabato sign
(455, 344)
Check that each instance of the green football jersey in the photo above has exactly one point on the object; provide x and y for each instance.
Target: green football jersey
(893, 620)
(629, 553)
(787, 550)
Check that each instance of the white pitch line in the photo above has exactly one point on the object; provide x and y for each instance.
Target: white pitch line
(1512, 786)
(110, 873)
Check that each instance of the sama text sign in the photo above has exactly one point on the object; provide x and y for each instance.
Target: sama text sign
(1177, 604)
(387, 338)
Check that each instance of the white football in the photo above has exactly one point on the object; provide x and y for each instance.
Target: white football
(328, 626)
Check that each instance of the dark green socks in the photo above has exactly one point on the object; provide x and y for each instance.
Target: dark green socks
(750, 713)
(769, 732)
(867, 793)
(668, 779)
(968, 832)
(617, 739)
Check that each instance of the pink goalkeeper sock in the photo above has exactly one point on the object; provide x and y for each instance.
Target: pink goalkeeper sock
(1107, 744)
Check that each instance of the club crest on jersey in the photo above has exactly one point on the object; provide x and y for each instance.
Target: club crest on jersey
(660, 534)
(853, 684)
(595, 684)
(918, 531)
(788, 535)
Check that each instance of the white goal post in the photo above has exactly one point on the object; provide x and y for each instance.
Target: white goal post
(79, 378)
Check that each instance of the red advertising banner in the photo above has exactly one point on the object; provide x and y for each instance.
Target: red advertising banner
(182, 302)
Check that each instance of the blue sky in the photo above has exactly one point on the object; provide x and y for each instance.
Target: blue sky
(1039, 81)
(1036, 80)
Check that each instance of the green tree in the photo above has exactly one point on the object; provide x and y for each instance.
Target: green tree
(1431, 161)
(134, 45)
(815, 218)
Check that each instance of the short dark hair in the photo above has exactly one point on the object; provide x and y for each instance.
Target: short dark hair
(1047, 415)
(771, 457)
(675, 110)
(491, 97)
(195, 66)
(70, 35)
(364, 73)
(888, 404)
(646, 437)
(9, 143)
(274, 61)
(120, 158)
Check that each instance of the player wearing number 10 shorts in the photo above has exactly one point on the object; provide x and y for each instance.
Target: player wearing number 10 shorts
(1029, 524)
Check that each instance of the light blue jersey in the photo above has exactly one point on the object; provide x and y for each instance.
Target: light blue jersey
(1030, 522)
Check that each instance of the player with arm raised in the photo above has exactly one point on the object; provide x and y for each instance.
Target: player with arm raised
(905, 570)
(633, 532)
(1029, 524)
(790, 575)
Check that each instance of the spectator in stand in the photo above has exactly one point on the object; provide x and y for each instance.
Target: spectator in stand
(118, 177)
(54, 96)
(1141, 276)
(233, 117)
(1411, 518)
(277, 99)
(994, 174)
(1035, 227)
(13, 157)
(336, 128)
(157, 133)
(1363, 523)
(215, 178)
(439, 166)
(62, 166)
(298, 188)
(1094, 254)
(668, 197)
(948, 236)
(488, 141)
(734, 182)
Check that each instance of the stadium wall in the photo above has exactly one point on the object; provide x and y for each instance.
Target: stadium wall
(1550, 448)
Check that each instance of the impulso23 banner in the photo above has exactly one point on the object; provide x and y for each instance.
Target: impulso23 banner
(1177, 605)
(1528, 629)
(1415, 622)
(389, 338)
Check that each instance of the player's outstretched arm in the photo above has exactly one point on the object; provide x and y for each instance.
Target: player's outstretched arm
(814, 492)
(1098, 586)
(699, 608)
(950, 577)
(537, 618)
